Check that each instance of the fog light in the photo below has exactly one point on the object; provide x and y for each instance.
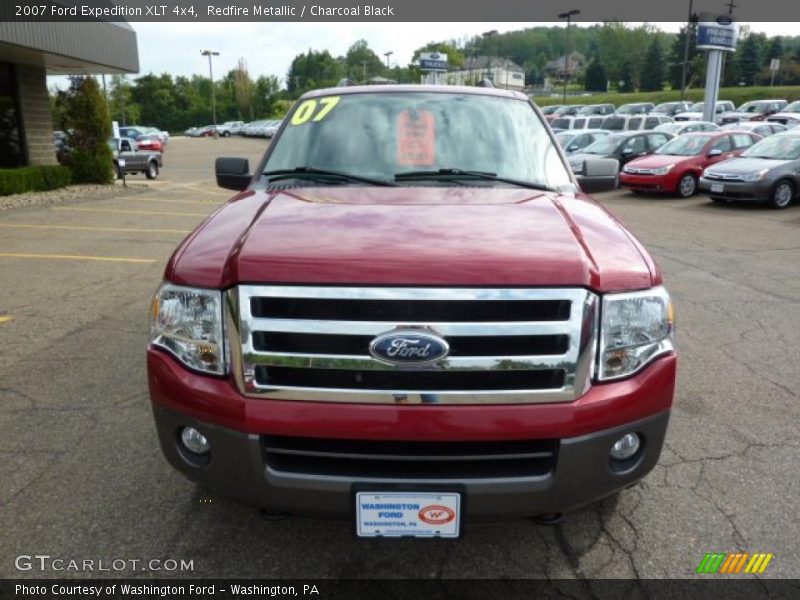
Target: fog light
(194, 441)
(624, 447)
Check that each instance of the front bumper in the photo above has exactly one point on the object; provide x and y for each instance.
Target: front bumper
(648, 183)
(584, 429)
(238, 468)
(738, 190)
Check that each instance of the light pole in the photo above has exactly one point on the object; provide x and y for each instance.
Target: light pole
(489, 73)
(568, 16)
(209, 54)
(387, 55)
(686, 52)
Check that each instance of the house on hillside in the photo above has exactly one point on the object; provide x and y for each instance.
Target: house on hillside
(566, 65)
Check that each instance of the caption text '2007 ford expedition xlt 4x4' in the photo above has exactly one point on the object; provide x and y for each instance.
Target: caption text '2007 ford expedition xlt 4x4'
(411, 316)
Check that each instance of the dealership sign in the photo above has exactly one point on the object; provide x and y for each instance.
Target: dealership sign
(719, 34)
(433, 61)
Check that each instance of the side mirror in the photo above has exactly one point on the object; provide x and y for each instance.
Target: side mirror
(599, 175)
(714, 152)
(233, 173)
(573, 147)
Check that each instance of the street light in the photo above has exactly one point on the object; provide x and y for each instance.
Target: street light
(209, 54)
(387, 55)
(568, 16)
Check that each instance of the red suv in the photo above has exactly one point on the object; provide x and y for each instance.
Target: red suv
(409, 316)
(675, 168)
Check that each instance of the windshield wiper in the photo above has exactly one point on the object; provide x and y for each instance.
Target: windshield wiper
(314, 172)
(465, 174)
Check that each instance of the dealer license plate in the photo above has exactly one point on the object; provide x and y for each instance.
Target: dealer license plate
(717, 188)
(408, 514)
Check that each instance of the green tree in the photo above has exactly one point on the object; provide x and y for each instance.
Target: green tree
(267, 96)
(121, 105)
(695, 65)
(596, 79)
(748, 60)
(244, 90)
(361, 63)
(86, 113)
(626, 81)
(652, 75)
(313, 70)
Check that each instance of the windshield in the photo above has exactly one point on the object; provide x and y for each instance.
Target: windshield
(380, 135)
(793, 107)
(688, 145)
(565, 138)
(780, 147)
(752, 107)
(696, 107)
(664, 107)
(668, 127)
(606, 145)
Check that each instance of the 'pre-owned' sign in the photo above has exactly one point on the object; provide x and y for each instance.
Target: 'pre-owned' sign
(717, 35)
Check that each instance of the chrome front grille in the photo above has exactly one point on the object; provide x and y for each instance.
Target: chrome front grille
(507, 345)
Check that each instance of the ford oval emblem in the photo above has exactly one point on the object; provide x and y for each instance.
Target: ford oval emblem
(409, 347)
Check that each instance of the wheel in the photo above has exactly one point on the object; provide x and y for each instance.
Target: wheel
(226, 133)
(152, 170)
(782, 194)
(687, 186)
(118, 169)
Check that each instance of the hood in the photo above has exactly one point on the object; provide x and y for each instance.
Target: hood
(742, 165)
(466, 236)
(790, 116)
(688, 116)
(656, 161)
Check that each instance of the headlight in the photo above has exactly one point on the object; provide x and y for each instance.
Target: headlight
(636, 328)
(663, 170)
(187, 322)
(757, 176)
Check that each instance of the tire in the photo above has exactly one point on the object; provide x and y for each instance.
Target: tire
(687, 186)
(118, 169)
(152, 170)
(782, 194)
(226, 133)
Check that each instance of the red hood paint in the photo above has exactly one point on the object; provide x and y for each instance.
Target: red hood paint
(468, 236)
(655, 161)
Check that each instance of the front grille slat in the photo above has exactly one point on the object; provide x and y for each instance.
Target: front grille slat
(503, 345)
(418, 380)
(358, 345)
(482, 311)
(366, 459)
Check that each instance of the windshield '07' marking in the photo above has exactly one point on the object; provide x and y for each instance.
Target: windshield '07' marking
(307, 109)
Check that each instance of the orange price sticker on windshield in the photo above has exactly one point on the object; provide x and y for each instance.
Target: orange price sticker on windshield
(416, 138)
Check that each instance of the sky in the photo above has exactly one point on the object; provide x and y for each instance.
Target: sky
(268, 48)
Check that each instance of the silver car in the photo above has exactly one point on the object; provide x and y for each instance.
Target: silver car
(768, 171)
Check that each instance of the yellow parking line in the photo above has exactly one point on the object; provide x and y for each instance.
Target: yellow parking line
(131, 212)
(77, 257)
(172, 201)
(87, 228)
(5, 319)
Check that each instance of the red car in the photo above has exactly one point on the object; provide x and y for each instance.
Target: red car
(402, 328)
(676, 167)
(150, 142)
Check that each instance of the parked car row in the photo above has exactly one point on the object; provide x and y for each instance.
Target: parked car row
(264, 128)
(777, 110)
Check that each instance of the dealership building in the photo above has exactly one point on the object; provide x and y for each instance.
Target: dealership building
(29, 52)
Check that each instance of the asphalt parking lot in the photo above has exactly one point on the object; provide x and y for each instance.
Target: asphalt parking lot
(83, 476)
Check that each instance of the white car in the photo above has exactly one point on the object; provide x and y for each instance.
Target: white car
(633, 122)
(230, 127)
(696, 112)
(681, 127)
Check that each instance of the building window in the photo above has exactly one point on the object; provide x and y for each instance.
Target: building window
(11, 148)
